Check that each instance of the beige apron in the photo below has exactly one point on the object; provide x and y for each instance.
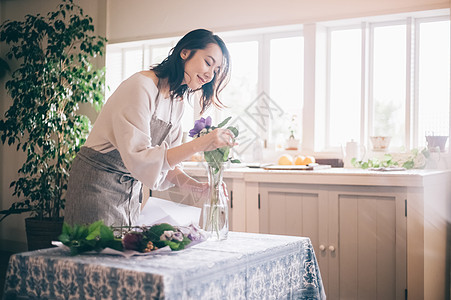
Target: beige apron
(101, 188)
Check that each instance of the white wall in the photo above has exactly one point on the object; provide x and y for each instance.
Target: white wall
(144, 19)
(121, 20)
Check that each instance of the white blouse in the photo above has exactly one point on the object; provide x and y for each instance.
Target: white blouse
(124, 124)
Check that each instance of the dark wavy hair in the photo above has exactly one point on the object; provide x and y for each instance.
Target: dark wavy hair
(172, 68)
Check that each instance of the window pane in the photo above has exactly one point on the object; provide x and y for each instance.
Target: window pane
(113, 71)
(286, 84)
(240, 93)
(345, 86)
(242, 88)
(389, 83)
(158, 53)
(434, 80)
(133, 61)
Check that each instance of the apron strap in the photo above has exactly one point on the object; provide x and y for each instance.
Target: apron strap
(126, 178)
(157, 100)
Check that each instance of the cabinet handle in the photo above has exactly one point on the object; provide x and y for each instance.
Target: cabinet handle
(331, 248)
(322, 247)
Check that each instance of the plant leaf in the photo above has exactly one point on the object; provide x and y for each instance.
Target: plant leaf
(233, 130)
(224, 122)
(106, 234)
(94, 230)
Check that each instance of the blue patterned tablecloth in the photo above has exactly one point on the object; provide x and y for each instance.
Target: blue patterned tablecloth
(245, 266)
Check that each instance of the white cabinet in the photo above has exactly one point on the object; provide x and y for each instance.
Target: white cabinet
(376, 235)
(359, 234)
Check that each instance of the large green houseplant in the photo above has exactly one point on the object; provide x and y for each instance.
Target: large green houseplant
(55, 75)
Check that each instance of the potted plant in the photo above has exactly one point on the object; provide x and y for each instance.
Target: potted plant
(292, 142)
(55, 75)
(4, 68)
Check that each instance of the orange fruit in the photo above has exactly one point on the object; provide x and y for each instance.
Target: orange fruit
(285, 160)
(299, 160)
(309, 160)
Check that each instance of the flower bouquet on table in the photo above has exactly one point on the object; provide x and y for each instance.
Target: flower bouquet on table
(129, 241)
(215, 209)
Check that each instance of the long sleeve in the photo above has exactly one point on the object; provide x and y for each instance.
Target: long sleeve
(175, 139)
(124, 124)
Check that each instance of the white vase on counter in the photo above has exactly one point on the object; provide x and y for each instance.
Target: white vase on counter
(352, 150)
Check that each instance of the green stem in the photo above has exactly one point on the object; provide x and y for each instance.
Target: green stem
(213, 219)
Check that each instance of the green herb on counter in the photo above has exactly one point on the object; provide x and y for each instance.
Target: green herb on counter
(416, 159)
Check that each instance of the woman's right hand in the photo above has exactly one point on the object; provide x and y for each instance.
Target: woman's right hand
(218, 138)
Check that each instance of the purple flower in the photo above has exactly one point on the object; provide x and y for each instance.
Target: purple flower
(208, 122)
(133, 241)
(199, 125)
(192, 232)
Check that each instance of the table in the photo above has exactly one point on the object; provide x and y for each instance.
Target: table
(245, 266)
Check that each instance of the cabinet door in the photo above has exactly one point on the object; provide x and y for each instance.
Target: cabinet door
(291, 210)
(299, 210)
(369, 240)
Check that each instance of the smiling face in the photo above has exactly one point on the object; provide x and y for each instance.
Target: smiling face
(202, 66)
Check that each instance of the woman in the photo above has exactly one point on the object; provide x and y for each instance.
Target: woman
(136, 138)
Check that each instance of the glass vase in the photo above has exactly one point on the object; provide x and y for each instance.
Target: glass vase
(216, 210)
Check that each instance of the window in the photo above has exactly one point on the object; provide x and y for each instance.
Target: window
(265, 91)
(389, 78)
(125, 59)
(383, 76)
(345, 85)
(286, 85)
(433, 79)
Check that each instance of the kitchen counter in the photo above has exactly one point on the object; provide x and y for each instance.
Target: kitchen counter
(338, 176)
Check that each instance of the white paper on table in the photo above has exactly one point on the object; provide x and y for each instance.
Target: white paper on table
(158, 211)
(109, 251)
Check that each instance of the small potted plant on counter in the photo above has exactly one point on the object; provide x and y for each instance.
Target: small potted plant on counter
(292, 142)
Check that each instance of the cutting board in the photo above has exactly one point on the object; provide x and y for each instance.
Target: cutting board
(309, 167)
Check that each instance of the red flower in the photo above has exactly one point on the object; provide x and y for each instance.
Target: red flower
(133, 241)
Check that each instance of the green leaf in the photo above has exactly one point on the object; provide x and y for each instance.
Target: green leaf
(115, 244)
(106, 234)
(156, 231)
(233, 130)
(67, 229)
(94, 230)
(173, 245)
(225, 154)
(408, 164)
(65, 239)
(224, 122)
(214, 157)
